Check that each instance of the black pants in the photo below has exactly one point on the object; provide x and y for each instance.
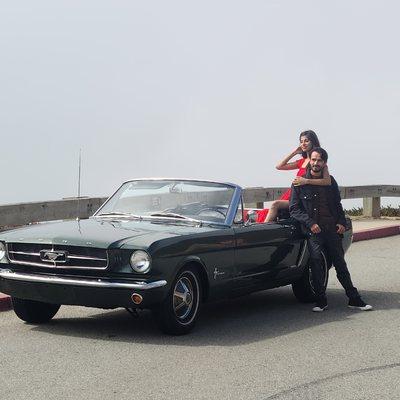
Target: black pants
(331, 241)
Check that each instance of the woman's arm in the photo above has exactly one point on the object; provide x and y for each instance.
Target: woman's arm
(324, 181)
(285, 164)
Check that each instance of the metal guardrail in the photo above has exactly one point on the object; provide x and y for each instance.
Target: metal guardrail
(26, 213)
(370, 194)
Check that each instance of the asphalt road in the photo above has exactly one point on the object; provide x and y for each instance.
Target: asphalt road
(263, 346)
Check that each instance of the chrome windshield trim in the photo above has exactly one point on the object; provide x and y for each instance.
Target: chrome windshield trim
(228, 220)
(164, 178)
(99, 283)
(236, 199)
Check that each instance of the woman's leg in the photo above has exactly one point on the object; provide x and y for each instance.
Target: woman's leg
(275, 207)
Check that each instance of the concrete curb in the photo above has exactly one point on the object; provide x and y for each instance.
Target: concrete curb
(376, 233)
(367, 234)
(5, 302)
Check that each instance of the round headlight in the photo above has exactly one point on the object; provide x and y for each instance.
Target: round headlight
(2, 251)
(140, 261)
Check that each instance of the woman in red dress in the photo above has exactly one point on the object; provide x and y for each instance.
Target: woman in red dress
(308, 141)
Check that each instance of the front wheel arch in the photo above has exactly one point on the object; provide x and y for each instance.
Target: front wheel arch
(197, 263)
(178, 312)
(34, 312)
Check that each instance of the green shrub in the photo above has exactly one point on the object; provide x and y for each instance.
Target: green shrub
(387, 211)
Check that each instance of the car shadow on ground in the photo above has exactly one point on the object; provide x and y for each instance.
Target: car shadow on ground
(243, 320)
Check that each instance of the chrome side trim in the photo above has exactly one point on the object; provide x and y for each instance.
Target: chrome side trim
(139, 285)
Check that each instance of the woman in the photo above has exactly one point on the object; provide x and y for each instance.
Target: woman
(308, 141)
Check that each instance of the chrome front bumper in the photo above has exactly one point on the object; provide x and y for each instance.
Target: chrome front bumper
(94, 283)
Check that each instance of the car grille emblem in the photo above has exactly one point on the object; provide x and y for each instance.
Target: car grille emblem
(53, 256)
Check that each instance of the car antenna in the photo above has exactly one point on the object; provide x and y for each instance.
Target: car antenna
(79, 184)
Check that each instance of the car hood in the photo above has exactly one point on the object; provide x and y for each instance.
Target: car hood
(101, 233)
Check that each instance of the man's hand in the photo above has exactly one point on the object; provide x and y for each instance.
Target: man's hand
(299, 181)
(340, 229)
(315, 229)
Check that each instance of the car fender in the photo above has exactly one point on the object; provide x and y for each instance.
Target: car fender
(195, 260)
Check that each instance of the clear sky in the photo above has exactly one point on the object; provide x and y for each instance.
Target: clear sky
(206, 89)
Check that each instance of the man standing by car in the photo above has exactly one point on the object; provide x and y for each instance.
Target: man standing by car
(319, 210)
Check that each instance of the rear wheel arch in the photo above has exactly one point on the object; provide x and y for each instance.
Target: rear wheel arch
(303, 288)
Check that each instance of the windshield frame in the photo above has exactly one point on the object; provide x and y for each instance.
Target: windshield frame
(230, 215)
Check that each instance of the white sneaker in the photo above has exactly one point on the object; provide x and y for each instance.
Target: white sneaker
(359, 304)
(320, 307)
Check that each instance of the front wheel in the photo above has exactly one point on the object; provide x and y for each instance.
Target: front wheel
(303, 289)
(34, 312)
(177, 314)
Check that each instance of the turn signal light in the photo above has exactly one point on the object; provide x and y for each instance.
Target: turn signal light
(136, 298)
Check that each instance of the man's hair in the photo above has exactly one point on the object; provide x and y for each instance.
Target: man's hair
(321, 152)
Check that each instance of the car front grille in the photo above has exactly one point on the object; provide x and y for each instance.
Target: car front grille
(61, 256)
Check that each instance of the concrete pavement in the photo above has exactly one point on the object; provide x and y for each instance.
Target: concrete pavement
(363, 228)
(265, 346)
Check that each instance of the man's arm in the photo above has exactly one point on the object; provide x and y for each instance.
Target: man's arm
(296, 210)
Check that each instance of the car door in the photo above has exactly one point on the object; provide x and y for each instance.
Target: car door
(264, 253)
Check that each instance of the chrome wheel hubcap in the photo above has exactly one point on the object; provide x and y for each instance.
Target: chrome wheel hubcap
(183, 297)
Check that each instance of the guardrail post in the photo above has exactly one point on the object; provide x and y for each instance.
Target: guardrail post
(372, 207)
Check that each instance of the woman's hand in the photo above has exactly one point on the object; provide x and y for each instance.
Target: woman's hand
(297, 150)
(285, 164)
(300, 181)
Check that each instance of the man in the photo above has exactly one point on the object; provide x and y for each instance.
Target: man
(319, 210)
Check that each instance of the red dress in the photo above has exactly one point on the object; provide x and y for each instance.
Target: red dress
(300, 172)
(262, 214)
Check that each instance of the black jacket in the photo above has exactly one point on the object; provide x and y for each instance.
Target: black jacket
(301, 203)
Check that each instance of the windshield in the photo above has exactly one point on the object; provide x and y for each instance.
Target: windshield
(172, 199)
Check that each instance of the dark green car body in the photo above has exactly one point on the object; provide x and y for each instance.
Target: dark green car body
(231, 259)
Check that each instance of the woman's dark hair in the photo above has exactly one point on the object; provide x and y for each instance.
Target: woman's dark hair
(323, 153)
(313, 138)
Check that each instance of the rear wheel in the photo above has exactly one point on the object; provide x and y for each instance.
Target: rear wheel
(34, 312)
(177, 314)
(303, 289)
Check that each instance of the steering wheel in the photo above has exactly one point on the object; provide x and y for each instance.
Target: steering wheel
(219, 210)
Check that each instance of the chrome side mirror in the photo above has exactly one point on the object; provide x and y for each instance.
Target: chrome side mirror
(251, 217)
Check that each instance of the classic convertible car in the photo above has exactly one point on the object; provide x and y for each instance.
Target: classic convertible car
(161, 244)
